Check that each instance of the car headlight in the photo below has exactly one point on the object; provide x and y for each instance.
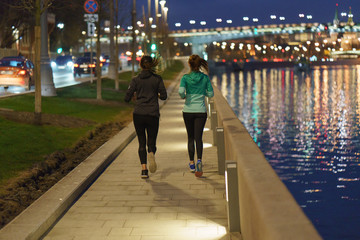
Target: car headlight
(70, 64)
(53, 64)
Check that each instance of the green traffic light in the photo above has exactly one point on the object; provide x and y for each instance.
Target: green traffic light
(153, 47)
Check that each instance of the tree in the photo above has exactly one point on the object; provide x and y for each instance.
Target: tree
(12, 17)
(36, 8)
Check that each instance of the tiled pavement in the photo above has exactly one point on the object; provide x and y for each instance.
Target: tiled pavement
(171, 205)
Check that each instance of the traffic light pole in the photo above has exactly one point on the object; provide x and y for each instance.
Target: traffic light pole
(134, 38)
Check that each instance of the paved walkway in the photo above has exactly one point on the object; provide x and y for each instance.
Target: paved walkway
(171, 205)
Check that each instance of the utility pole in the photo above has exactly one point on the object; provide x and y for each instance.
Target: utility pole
(98, 51)
(149, 26)
(111, 70)
(47, 81)
(117, 45)
(134, 38)
(37, 62)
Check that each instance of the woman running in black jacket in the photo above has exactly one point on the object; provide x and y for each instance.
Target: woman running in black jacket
(147, 87)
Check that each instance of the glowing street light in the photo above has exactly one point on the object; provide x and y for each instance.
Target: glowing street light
(282, 18)
(246, 19)
(192, 22)
(309, 16)
(229, 21)
(301, 15)
(203, 23)
(219, 20)
(273, 16)
(60, 25)
(255, 19)
(177, 24)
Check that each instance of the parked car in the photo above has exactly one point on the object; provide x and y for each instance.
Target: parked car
(16, 71)
(85, 65)
(63, 62)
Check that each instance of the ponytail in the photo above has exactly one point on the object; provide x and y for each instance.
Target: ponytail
(149, 63)
(196, 63)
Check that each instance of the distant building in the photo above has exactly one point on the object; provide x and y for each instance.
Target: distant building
(350, 21)
(336, 21)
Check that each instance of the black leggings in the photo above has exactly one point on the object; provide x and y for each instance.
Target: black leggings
(151, 125)
(195, 123)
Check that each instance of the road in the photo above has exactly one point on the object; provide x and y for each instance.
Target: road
(62, 78)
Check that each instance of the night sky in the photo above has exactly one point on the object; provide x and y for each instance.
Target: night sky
(322, 11)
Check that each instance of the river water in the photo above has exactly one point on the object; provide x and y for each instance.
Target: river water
(307, 126)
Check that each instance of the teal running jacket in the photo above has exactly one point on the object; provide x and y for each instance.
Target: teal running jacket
(193, 88)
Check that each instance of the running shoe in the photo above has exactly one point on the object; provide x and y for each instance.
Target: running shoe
(152, 163)
(192, 167)
(198, 170)
(144, 173)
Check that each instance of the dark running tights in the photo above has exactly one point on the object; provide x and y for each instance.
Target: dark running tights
(195, 123)
(146, 125)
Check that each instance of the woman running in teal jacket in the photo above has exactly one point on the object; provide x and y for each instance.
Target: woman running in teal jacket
(194, 87)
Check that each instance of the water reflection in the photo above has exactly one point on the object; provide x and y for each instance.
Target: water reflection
(307, 125)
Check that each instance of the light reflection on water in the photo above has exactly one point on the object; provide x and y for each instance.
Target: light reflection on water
(308, 128)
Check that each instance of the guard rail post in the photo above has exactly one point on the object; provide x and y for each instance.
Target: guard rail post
(220, 150)
(232, 196)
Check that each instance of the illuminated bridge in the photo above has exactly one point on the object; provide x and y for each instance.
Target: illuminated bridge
(292, 33)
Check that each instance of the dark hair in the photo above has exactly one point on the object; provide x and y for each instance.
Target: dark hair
(196, 63)
(149, 63)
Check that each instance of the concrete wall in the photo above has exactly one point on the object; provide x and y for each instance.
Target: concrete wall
(267, 209)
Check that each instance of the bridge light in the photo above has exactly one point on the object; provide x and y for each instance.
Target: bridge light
(246, 18)
(192, 21)
(177, 24)
(301, 15)
(309, 16)
(203, 23)
(229, 21)
(255, 19)
(273, 16)
(282, 18)
(219, 20)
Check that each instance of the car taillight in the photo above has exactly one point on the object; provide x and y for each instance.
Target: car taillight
(22, 72)
(76, 65)
(92, 65)
(101, 64)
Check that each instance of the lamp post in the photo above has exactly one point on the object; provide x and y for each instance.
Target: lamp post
(162, 29)
(47, 81)
(133, 37)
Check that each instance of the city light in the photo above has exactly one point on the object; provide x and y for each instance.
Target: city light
(192, 21)
(203, 23)
(301, 15)
(282, 18)
(177, 24)
(219, 20)
(255, 19)
(273, 16)
(246, 18)
(60, 25)
(229, 21)
(309, 16)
